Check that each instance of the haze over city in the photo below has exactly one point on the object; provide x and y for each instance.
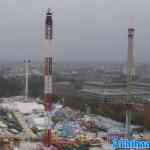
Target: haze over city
(74, 75)
(87, 30)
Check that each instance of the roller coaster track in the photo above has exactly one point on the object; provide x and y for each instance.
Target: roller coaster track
(28, 133)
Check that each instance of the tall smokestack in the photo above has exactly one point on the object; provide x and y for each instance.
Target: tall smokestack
(48, 61)
(130, 78)
(131, 64)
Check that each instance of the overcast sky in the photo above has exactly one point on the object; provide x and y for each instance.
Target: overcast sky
(85, 30)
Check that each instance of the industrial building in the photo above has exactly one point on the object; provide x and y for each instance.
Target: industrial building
(110, 92)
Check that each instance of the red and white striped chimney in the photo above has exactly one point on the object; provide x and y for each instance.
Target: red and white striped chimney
(48, 63)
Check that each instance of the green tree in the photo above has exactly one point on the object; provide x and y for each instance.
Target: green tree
(36, 86)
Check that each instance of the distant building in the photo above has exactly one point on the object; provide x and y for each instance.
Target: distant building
(109, 92)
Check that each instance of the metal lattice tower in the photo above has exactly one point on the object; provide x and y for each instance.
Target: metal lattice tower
(26, 78)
